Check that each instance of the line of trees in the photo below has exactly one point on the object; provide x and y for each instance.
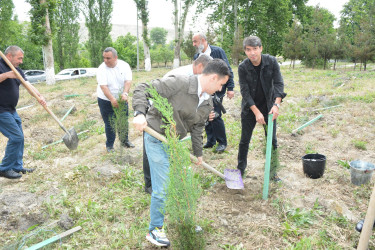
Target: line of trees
(287, 28)
(291, 29)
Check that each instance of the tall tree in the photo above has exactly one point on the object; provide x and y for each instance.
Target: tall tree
(319, 38)
(268, 19)
(41, 13)
(6, 14)
(158, 36)
(179, 27)
(127, 49)
(352, 19)
(292, 46)
(66, 35)
(188, 47)
(364, 42)
(98, 15)
(143, 15)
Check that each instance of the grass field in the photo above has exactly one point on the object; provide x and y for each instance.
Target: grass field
(103, 193)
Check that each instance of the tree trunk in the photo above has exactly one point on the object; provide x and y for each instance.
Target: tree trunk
(176, 59)
(222, 23)
(146, 50)
(180, 31)
(236, 36)
(49, 64)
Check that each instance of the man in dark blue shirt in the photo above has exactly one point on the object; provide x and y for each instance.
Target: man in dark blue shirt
(215, 129)
(10, 122)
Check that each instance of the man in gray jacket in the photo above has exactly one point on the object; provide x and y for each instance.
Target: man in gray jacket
(190, 97)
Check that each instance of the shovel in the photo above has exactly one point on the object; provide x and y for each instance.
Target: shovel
(232, 177)
(70, 138)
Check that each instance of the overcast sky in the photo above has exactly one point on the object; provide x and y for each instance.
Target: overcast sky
(161, 12)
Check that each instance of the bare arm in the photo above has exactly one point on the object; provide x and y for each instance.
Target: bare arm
(258, 115)
(275, 109)
(125, 93)
(7, 75)
(108, 94)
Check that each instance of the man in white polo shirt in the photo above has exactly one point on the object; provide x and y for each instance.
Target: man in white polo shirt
(114, 78)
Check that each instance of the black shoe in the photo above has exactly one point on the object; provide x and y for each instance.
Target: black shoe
(127, 144)
(148, 190)
(220, 148)
(25, 170)
(242, 172)
(10, 174)
(207, 145)
(360, 225)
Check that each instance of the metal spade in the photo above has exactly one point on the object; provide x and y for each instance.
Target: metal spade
(70, 138)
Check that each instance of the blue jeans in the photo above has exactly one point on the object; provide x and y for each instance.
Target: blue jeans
(11, 127)
(159, 168)
(106, 110)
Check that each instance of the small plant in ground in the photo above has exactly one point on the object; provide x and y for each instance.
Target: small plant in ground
(344, 164)
(334, 132)
(360, 144)
(183, 189)
(310, 149)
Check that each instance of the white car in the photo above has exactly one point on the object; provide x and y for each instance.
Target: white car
(34, 76)
(67, 74)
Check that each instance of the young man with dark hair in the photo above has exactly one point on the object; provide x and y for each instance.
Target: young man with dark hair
(190, 97)
(262, 90)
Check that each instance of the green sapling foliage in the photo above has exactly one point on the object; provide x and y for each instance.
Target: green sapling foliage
(183, 189)
(119, 121)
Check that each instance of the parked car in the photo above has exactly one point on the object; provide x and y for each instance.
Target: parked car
(67, 74)
(34, 76)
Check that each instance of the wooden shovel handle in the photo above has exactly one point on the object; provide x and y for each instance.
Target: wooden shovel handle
(31, 90)
(192, 157)
(368, 224)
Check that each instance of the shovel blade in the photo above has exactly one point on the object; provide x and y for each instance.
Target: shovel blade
(233, 178)
(71, 139)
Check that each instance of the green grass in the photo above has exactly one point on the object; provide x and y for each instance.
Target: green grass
(114, 211)
(359, 144)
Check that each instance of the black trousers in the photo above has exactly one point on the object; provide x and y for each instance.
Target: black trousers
(106, 110)
(248, 122)
(215, 129)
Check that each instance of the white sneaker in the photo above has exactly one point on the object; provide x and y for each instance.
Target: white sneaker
(158, 237)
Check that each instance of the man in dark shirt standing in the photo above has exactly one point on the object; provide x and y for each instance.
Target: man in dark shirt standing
(215, 129)
(10, 122)
(262, 90)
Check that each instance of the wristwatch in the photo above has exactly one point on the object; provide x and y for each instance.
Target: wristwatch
(277, 105)
(138, 113)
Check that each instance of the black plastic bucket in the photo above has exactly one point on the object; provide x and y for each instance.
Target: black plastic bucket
(314, 165)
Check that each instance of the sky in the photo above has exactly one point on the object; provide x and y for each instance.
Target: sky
(161, 12)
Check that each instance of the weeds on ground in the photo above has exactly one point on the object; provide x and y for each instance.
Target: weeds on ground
(344, 164)
(183, 189)
(359, 144)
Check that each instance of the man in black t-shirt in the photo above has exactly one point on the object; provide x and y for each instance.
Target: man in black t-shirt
(262, 90)
(10, 123)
